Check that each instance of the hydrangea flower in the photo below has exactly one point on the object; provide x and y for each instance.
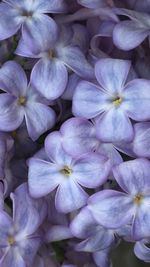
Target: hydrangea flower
(113, 101)
(114, 209)
(19, 237)
(30, 16)
(22, 101)
(59, 170)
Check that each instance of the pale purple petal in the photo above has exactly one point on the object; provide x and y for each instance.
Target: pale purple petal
(141, 141)
(76, 196)
(39, 118)
(111, 208)
(133, 176)
(11, 114)
(93, 3)
(40, 33)
(57, 233)
(91, 170)
(50, 78)
(142, 251)
(114, 126)
(12, 258)
(28, 213)
(141, 224)
(110, 151)
(73, 58)
(55, 151)
(102, 258)
(9, 22)
(89, 95)
(112, 74)
(13, 79)
(48, 6)
(136, 101)
(5, 228)
(129, 34)
(80, 132)
(43, 177)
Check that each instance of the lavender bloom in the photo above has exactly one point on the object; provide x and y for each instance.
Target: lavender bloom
(30, 17)
(50, 75)
(82, 132)
(114, 209)
(113, 102)
(58, 169)
(21, 101)
(19, 237)
(129, 34)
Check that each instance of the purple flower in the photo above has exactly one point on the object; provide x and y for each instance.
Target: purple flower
(114, 209)
(141, 141)
(58, 170)
(21, 101)
(19, 237)
(113, 102)
(50, 75)
(30, 17)
(128, 34)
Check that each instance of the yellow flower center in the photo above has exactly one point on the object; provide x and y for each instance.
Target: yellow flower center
(117, 101)
(138, 199)
(11, 240)
(66, 171)
(22, 100)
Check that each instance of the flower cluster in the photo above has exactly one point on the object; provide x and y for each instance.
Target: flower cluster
(74, 131)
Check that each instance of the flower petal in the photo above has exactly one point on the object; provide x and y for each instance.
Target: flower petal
(141, 224)
(112, 74)
(141, 141)
(129, 34)
(13, 79)
(28, 213)
(111, 208)
(50, 78)
(80, 132)
(9, 23)
(89, 95)
(12, 258)
(40, 33)
(91, 170)
(73, 58)
(5, 228)
(137, 99)
(39, 118)
(133, 176)
(58, 233)
(76, 196)
(114, 126)
(43, 177)
(55, 151)
(142, 251)
(11, 114)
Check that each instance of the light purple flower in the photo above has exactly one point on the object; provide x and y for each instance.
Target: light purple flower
(58, 170)
(113, 101)
(141, 141)
(30, 16)
(128, 34)
(114, 209)
(22, 101)
(50, 74)
(19, 237)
